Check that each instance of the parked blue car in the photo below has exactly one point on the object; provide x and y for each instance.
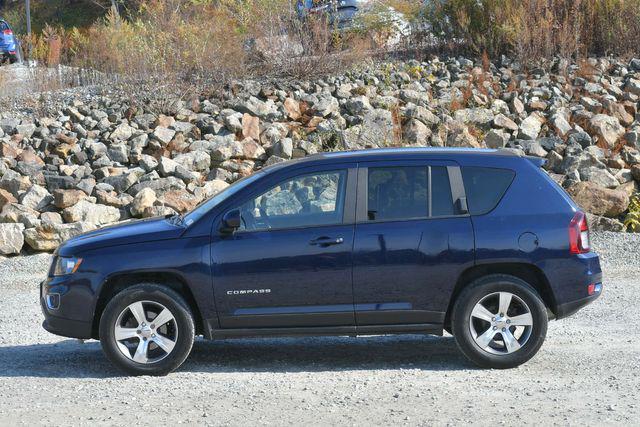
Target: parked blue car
(340, 13)
(481, 243)
(9, 47)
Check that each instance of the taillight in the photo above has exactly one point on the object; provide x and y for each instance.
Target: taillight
(579, 234)
(7, 32)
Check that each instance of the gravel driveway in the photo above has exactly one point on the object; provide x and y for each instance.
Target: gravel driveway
(588, 371)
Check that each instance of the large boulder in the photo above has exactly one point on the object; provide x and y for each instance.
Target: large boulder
(179, 201)
(530, 127)
(63, 199)
(16, 213)
(377, 129)
(598, 200)
(11, 238)
(36, 198)
(94, 214)
(143, 200)
(475, 116)
(48, 236)
(607, 128)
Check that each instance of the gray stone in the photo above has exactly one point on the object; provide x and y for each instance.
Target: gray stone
(496, 138)
(358, 105)
(283, 148)
(601, 177)
(36, 198)
(530, 127)
(94, 214)
(475, 116)
(122, 133)
(148, 163)
(503, 122)
(601, 223)
(11, 238)
(607, 128)
(166, 166)
(48, 236)
(416, 133)
(143, 200)
(164, 135)
(16, 213)
(26, 130)
(119, 153)
(123, 182)
(535, 149)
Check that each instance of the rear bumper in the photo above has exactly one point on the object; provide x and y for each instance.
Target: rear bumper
(572, 307)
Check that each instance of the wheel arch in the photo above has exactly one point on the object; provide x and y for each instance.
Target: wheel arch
(527, 272)
(115, 284)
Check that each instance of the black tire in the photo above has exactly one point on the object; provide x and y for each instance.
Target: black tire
(486, 287)
(150, 293)
(13, 59)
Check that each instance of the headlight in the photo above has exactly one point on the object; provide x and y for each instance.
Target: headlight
(66, 266)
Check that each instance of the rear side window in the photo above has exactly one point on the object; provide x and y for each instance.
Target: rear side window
(398, 193)
(485, 187)
(3, 26)
(441, 199)
(409, 192)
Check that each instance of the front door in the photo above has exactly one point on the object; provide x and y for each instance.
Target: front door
(412, 241)
(290, 263)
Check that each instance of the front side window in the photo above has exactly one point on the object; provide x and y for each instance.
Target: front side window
(304, 201)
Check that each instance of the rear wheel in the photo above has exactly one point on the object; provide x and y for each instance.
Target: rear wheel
(147, 329)
(499, 322)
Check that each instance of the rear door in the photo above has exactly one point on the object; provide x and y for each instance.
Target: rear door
(413, 238)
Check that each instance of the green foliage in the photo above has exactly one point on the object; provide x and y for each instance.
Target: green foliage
(632, 220)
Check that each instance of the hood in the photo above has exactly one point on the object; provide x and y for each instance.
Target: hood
(140, 231)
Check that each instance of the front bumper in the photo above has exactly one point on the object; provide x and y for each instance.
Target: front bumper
(67, 310)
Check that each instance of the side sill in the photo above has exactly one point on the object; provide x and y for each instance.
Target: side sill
(352, 331)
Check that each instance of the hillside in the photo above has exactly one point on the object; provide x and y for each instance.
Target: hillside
(57, 13)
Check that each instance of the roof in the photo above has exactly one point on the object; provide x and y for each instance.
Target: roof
(411, 152)
(395, 154)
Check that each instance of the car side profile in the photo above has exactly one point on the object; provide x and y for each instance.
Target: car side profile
(480, 243)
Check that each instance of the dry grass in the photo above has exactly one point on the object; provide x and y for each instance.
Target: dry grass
(537, 29)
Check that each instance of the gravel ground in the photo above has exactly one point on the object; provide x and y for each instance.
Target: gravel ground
(587, 372)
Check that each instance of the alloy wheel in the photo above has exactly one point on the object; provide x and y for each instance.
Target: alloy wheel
(501, 323)
(146, 332)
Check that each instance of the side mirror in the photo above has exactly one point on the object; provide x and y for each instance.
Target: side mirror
(231, 221)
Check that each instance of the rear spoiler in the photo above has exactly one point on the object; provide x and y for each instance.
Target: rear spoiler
(536, 161)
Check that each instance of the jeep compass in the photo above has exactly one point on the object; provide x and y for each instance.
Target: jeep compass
(480, 243)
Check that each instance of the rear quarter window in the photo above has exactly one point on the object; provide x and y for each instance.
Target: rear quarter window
(485, 187)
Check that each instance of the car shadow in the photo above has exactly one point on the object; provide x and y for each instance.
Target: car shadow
(72, 359)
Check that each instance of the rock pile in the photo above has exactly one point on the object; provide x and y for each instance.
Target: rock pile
(106, 160)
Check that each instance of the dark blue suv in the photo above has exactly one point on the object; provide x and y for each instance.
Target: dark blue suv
(480, 243)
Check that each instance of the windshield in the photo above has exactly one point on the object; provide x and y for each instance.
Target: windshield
(214, 201)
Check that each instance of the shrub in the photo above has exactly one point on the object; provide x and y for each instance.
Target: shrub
(535, 29)
(632, 220)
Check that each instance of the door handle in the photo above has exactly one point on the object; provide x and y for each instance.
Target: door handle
(324, 242)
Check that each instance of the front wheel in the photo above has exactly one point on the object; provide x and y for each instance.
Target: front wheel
(147, 329)
(499, 322)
